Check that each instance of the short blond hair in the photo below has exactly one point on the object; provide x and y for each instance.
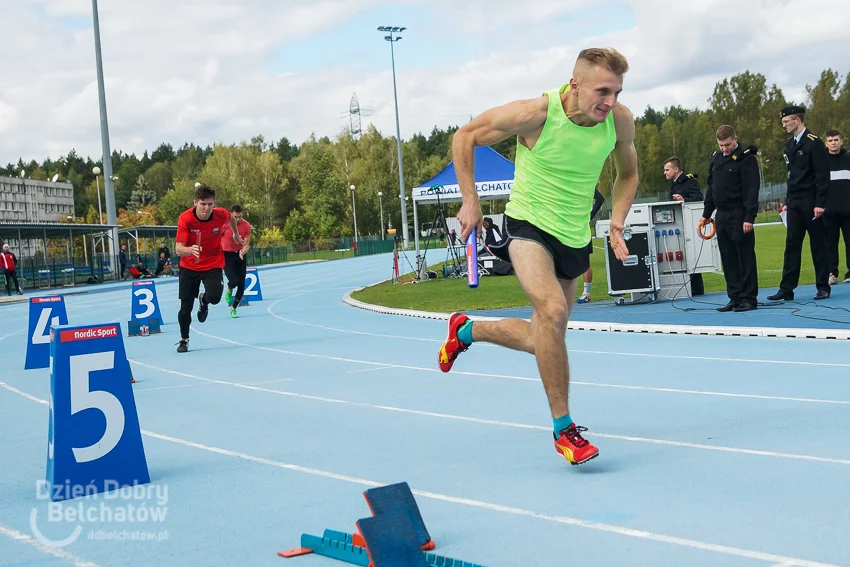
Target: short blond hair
(607, 57)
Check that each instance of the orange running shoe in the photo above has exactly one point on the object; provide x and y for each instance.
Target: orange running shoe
(575, 448)
(452, 345)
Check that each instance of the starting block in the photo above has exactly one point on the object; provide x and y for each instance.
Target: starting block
(143, 327)
(394, 535)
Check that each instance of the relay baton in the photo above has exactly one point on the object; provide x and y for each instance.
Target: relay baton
(198, 242)
(472, 259)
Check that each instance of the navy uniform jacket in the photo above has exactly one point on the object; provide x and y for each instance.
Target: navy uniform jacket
(733, 183)
(808, 170)
(687, 186)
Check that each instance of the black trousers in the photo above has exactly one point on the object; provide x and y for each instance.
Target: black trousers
(835, 225)
(801, 220)
(738, 254)
(235, 270)
(12, 276)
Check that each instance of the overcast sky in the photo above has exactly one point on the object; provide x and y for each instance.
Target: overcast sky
(208, 71)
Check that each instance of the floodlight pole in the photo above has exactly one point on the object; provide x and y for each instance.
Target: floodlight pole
(108, 188)
(392, 38)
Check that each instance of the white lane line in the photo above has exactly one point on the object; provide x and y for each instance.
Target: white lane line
(572, 350)
(18, 332)
(721, 394)
(368, 369)
(169, 387)
(383, 366)
(209, 384)
(494, 507)
(46, 548)
(22, 393)
(499, 423)
(718, 358)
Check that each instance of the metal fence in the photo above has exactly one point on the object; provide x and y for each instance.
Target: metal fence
(44, 272)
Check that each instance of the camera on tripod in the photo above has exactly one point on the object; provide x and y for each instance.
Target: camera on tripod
(452, 267)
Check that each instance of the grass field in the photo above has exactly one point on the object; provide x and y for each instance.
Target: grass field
(320, 255)
(452, 294)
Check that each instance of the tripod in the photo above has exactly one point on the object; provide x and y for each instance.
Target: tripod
(397, 264)
(451, 253)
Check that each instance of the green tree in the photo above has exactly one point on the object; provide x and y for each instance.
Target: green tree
(824, 111)
(324, 193)
(128, 176)
(159, 179)
(648, 146)
(176, 201)
(92, 216)
(188, 164)
(286, 150)
(245, 175)
(164, 153)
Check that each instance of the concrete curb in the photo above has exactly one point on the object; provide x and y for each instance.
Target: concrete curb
(767, 332)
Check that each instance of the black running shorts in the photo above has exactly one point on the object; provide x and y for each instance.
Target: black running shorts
(570, 263)
(190, 283)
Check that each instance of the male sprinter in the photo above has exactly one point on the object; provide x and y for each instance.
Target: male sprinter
(199, 247)
(563, 140)
(234, 258)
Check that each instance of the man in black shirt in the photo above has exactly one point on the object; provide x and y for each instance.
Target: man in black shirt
(808, 187)
(733, 189)
(837, 213)
(587, 277)
(684, 187)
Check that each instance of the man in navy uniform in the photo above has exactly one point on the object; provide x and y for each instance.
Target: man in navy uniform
(684, 187)
(808, 187)
(733, 191)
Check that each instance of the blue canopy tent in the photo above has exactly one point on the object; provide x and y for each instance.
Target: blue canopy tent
(494, 177)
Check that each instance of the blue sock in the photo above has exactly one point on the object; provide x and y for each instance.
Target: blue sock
(465, 333)
(562, 423)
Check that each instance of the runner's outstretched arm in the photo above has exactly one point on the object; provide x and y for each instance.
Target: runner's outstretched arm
(518, 118)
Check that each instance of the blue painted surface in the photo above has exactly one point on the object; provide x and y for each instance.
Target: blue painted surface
(275, 423)
(803, 312)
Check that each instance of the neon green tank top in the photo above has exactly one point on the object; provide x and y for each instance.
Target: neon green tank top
(554, 182)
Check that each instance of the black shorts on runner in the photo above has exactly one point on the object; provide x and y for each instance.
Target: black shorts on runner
(190, 283)
(570, 263)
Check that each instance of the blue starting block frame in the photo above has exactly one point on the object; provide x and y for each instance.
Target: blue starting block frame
(134, 326)
(395, 535)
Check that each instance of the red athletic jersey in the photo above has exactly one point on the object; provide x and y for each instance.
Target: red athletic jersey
(190, 227)
(227, 242)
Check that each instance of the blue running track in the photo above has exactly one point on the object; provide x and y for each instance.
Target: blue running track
(714, 451)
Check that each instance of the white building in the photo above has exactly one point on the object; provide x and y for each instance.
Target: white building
(30, 200)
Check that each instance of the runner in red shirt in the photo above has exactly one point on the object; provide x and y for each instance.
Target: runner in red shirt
(201, 260)
(234, 258)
